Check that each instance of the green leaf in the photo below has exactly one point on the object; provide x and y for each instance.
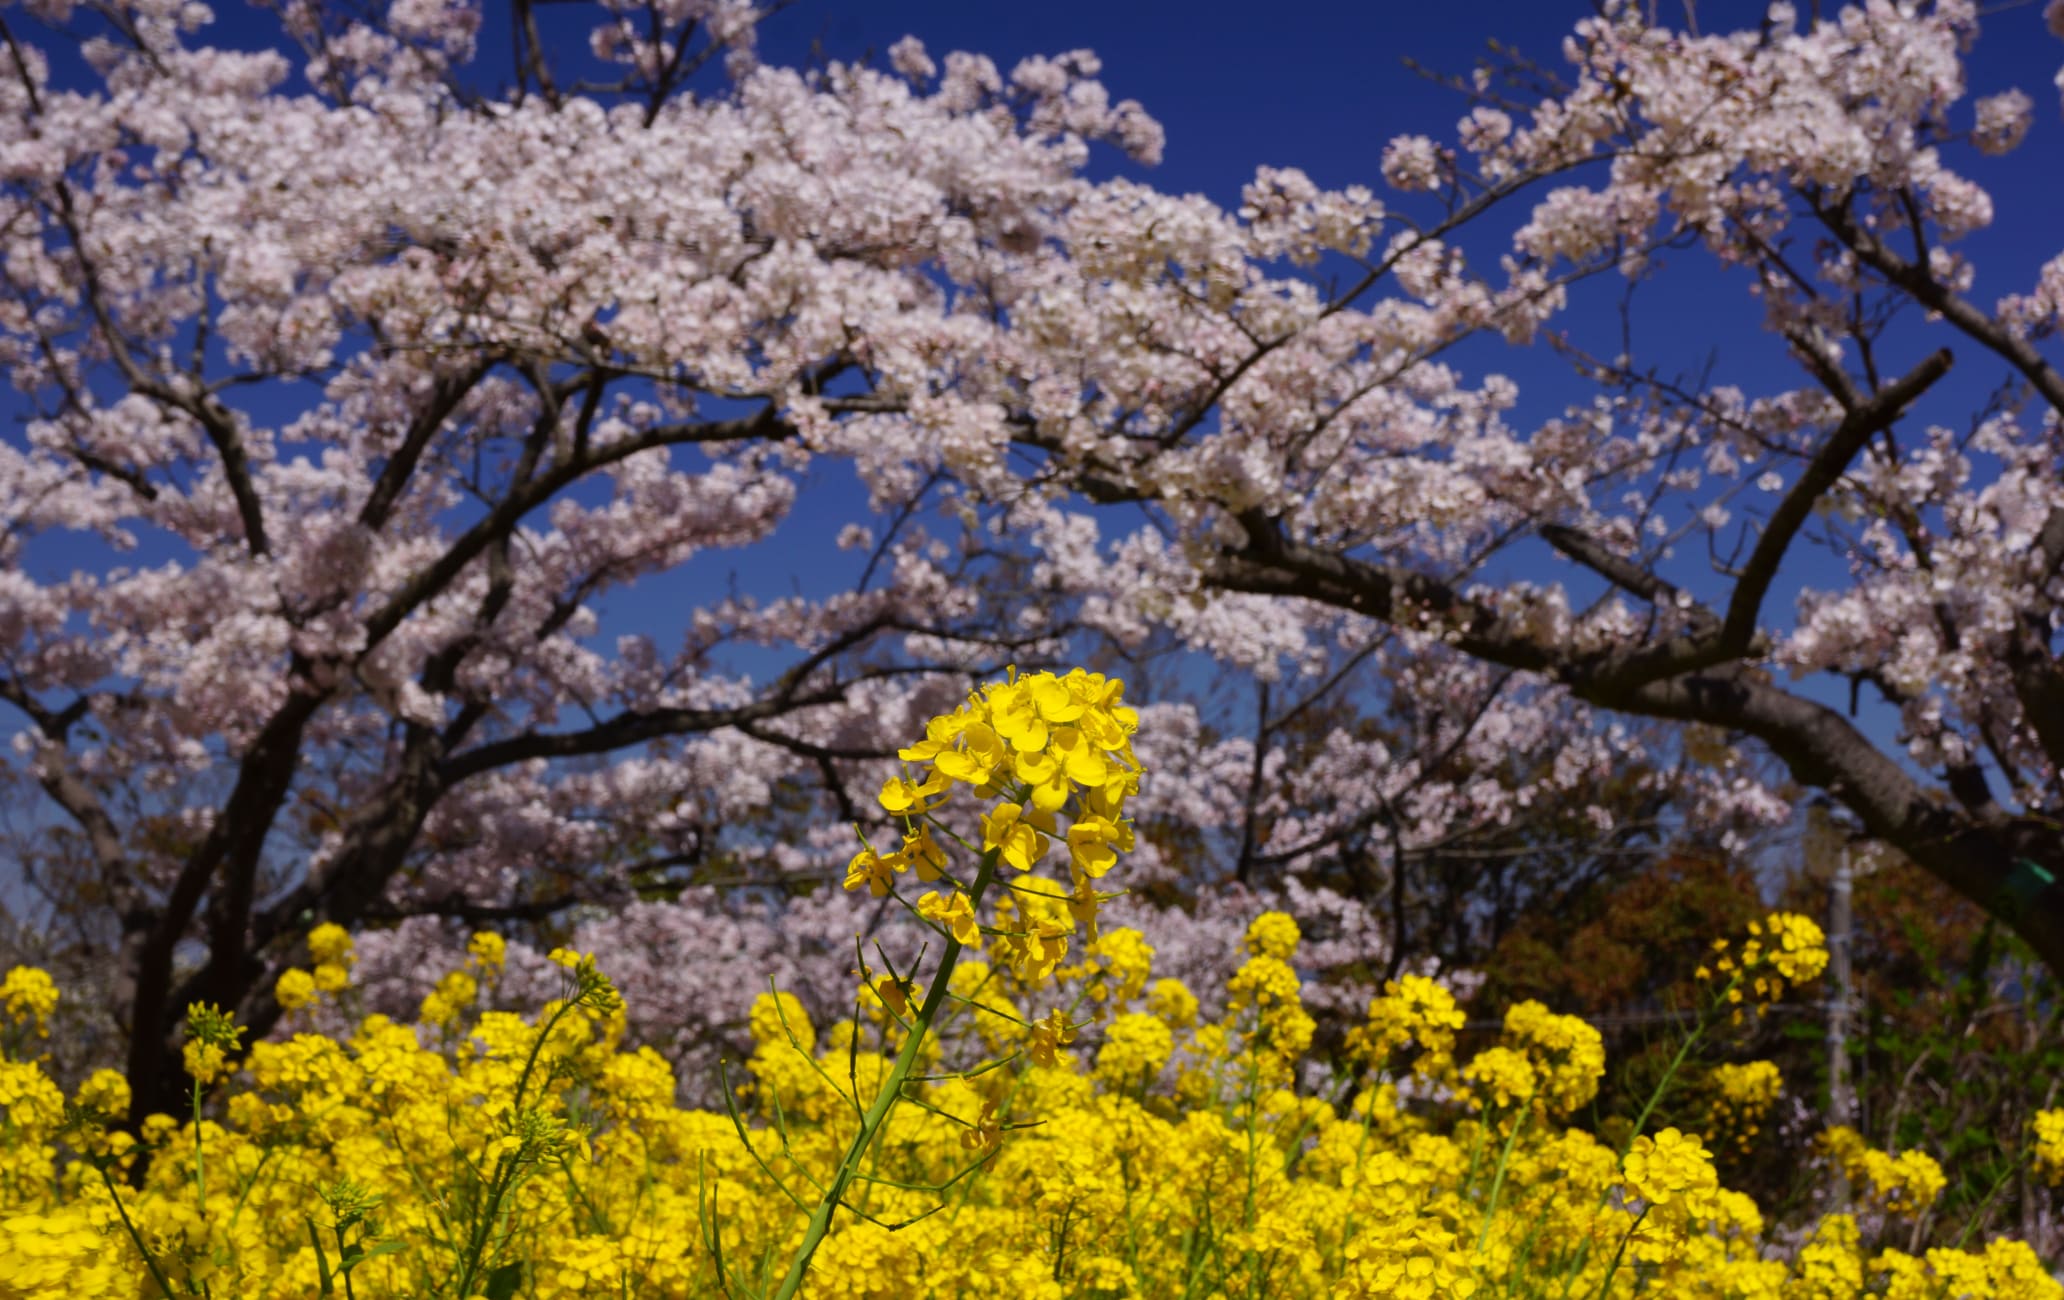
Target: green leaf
(502, 1283)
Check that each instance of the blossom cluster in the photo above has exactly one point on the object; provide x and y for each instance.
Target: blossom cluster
(1743, 1093)
(1905, 1184)
(330, 948)
(2049, 1144)
(1781, 951)
(1036, 745)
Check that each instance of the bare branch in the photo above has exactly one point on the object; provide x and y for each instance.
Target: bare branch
(1858, 426)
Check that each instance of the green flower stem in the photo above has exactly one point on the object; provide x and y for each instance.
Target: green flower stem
(343, 1254)
(1698, 1031)
(1605, 1287)
(507, 1167)
(150, 1261)
(1663, 1086)
(885, 1101)
(200, 1168)
(482, 1231)
(1985, 1203)
(1498, 1179)
(1706, 1020)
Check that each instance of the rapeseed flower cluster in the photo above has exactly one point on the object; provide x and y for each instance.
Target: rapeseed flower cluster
(1742, 1095)
(1783, 950)
(1033, 748)
(1669, 1165)
(1103, 1138)
(29, 996)
(1906, 1184)
(1566, 1055)
(1414, 1014)
(2048, 1134)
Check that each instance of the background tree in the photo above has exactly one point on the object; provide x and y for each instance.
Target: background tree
(1954, 1041)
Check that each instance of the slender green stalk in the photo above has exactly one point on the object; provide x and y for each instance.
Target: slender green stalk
(885, 1101)
(1655, 1098)
(150, 1261)
(1475, 1156)
(1605, 1286)
(537, 1046)
(478, 1237)
(344, 1259)
(1490, 1212)
(507, 1166)
(200, 1167)
(1985, 1203)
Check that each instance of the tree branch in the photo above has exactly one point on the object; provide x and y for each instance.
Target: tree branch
(1828, 465)
(1627, 575)
(1937, 297)
(445, 397)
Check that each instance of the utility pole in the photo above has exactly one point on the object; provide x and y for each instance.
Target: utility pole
(1841, 928)
(1829, 851)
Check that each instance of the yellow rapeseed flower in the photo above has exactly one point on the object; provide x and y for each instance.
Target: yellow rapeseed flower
(30, 996)
(1906, 1184)
(1500, 1078)
(906, 798)
(924, 854)
(330, 945)
(1018, 835)
(211, 1035)
(1743, 1095)
(295, 989)
(871, 871)
(953, 914)
(1050, 1033)
(487, 952)
(2048, 1131)
(1668, 1165)
(1272, 934)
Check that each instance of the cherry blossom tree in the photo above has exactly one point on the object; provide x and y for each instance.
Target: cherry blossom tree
(364, 385)
(1321, 449)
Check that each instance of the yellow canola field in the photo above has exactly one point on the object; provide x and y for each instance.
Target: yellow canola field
(482, 1153)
